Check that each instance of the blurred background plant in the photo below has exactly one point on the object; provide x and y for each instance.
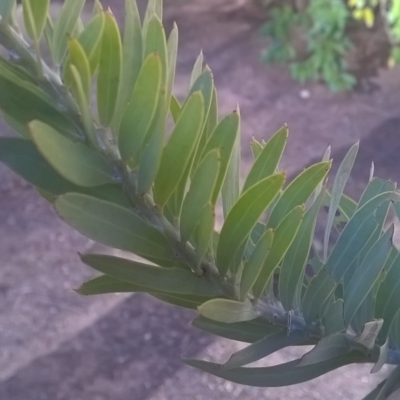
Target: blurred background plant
(323, 26)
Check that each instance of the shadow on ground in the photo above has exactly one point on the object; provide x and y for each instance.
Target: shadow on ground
(139, 343)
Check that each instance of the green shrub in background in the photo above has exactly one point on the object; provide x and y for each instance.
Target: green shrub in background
(323, 23)
(117, 174)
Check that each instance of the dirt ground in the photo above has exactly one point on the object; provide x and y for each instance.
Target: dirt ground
(57, 345)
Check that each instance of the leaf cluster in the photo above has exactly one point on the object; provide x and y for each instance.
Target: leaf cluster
(123, 161)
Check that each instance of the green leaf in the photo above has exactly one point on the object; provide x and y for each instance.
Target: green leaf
(223, 138)
(228, 311)
(388, 297)
(298, 191)
(74, 161)
(394, 331)
(136, 121)
(256, 148)
(155, 42)
(204, 83)
(64, 28)
(199, 195)
(185, 301)
(269, 344)
(254, 266)
(205, 231)
(242, 219)
(278, 375)
(347, 207)
(212, 118)
(284, 234)
(77, 58)
(152, 151)
(110, 66)
(179, 149)
(375, 187)
(172, 46)
(327, 348)
(325, 157)
(23, 158)
(318, 291)
(355, 235)
(175, 108)
(153, 7)
(83, 102)
(291, 274)
(268, 159)
(6, 8)
(132, 55)
(107, 284)
(36, 105)
(246, 331)
(197, 69)
(113, 226)
(169, 280)
(91, 40)
(230, 187)
(366, 275)
(334, 318)
(35, 14)
(337, 190)
(15, 124)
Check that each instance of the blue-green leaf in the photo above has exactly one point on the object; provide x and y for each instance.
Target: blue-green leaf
(388, 297)
(6, 8)
(327, 348)
(278, 375)
(337, 190)
(317, 293)
(334, 318)
(291, 275)
(269, 344)
(366, 275)
(355, 235)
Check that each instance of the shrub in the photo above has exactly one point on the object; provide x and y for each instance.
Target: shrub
(324, 25)
(117, 174)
